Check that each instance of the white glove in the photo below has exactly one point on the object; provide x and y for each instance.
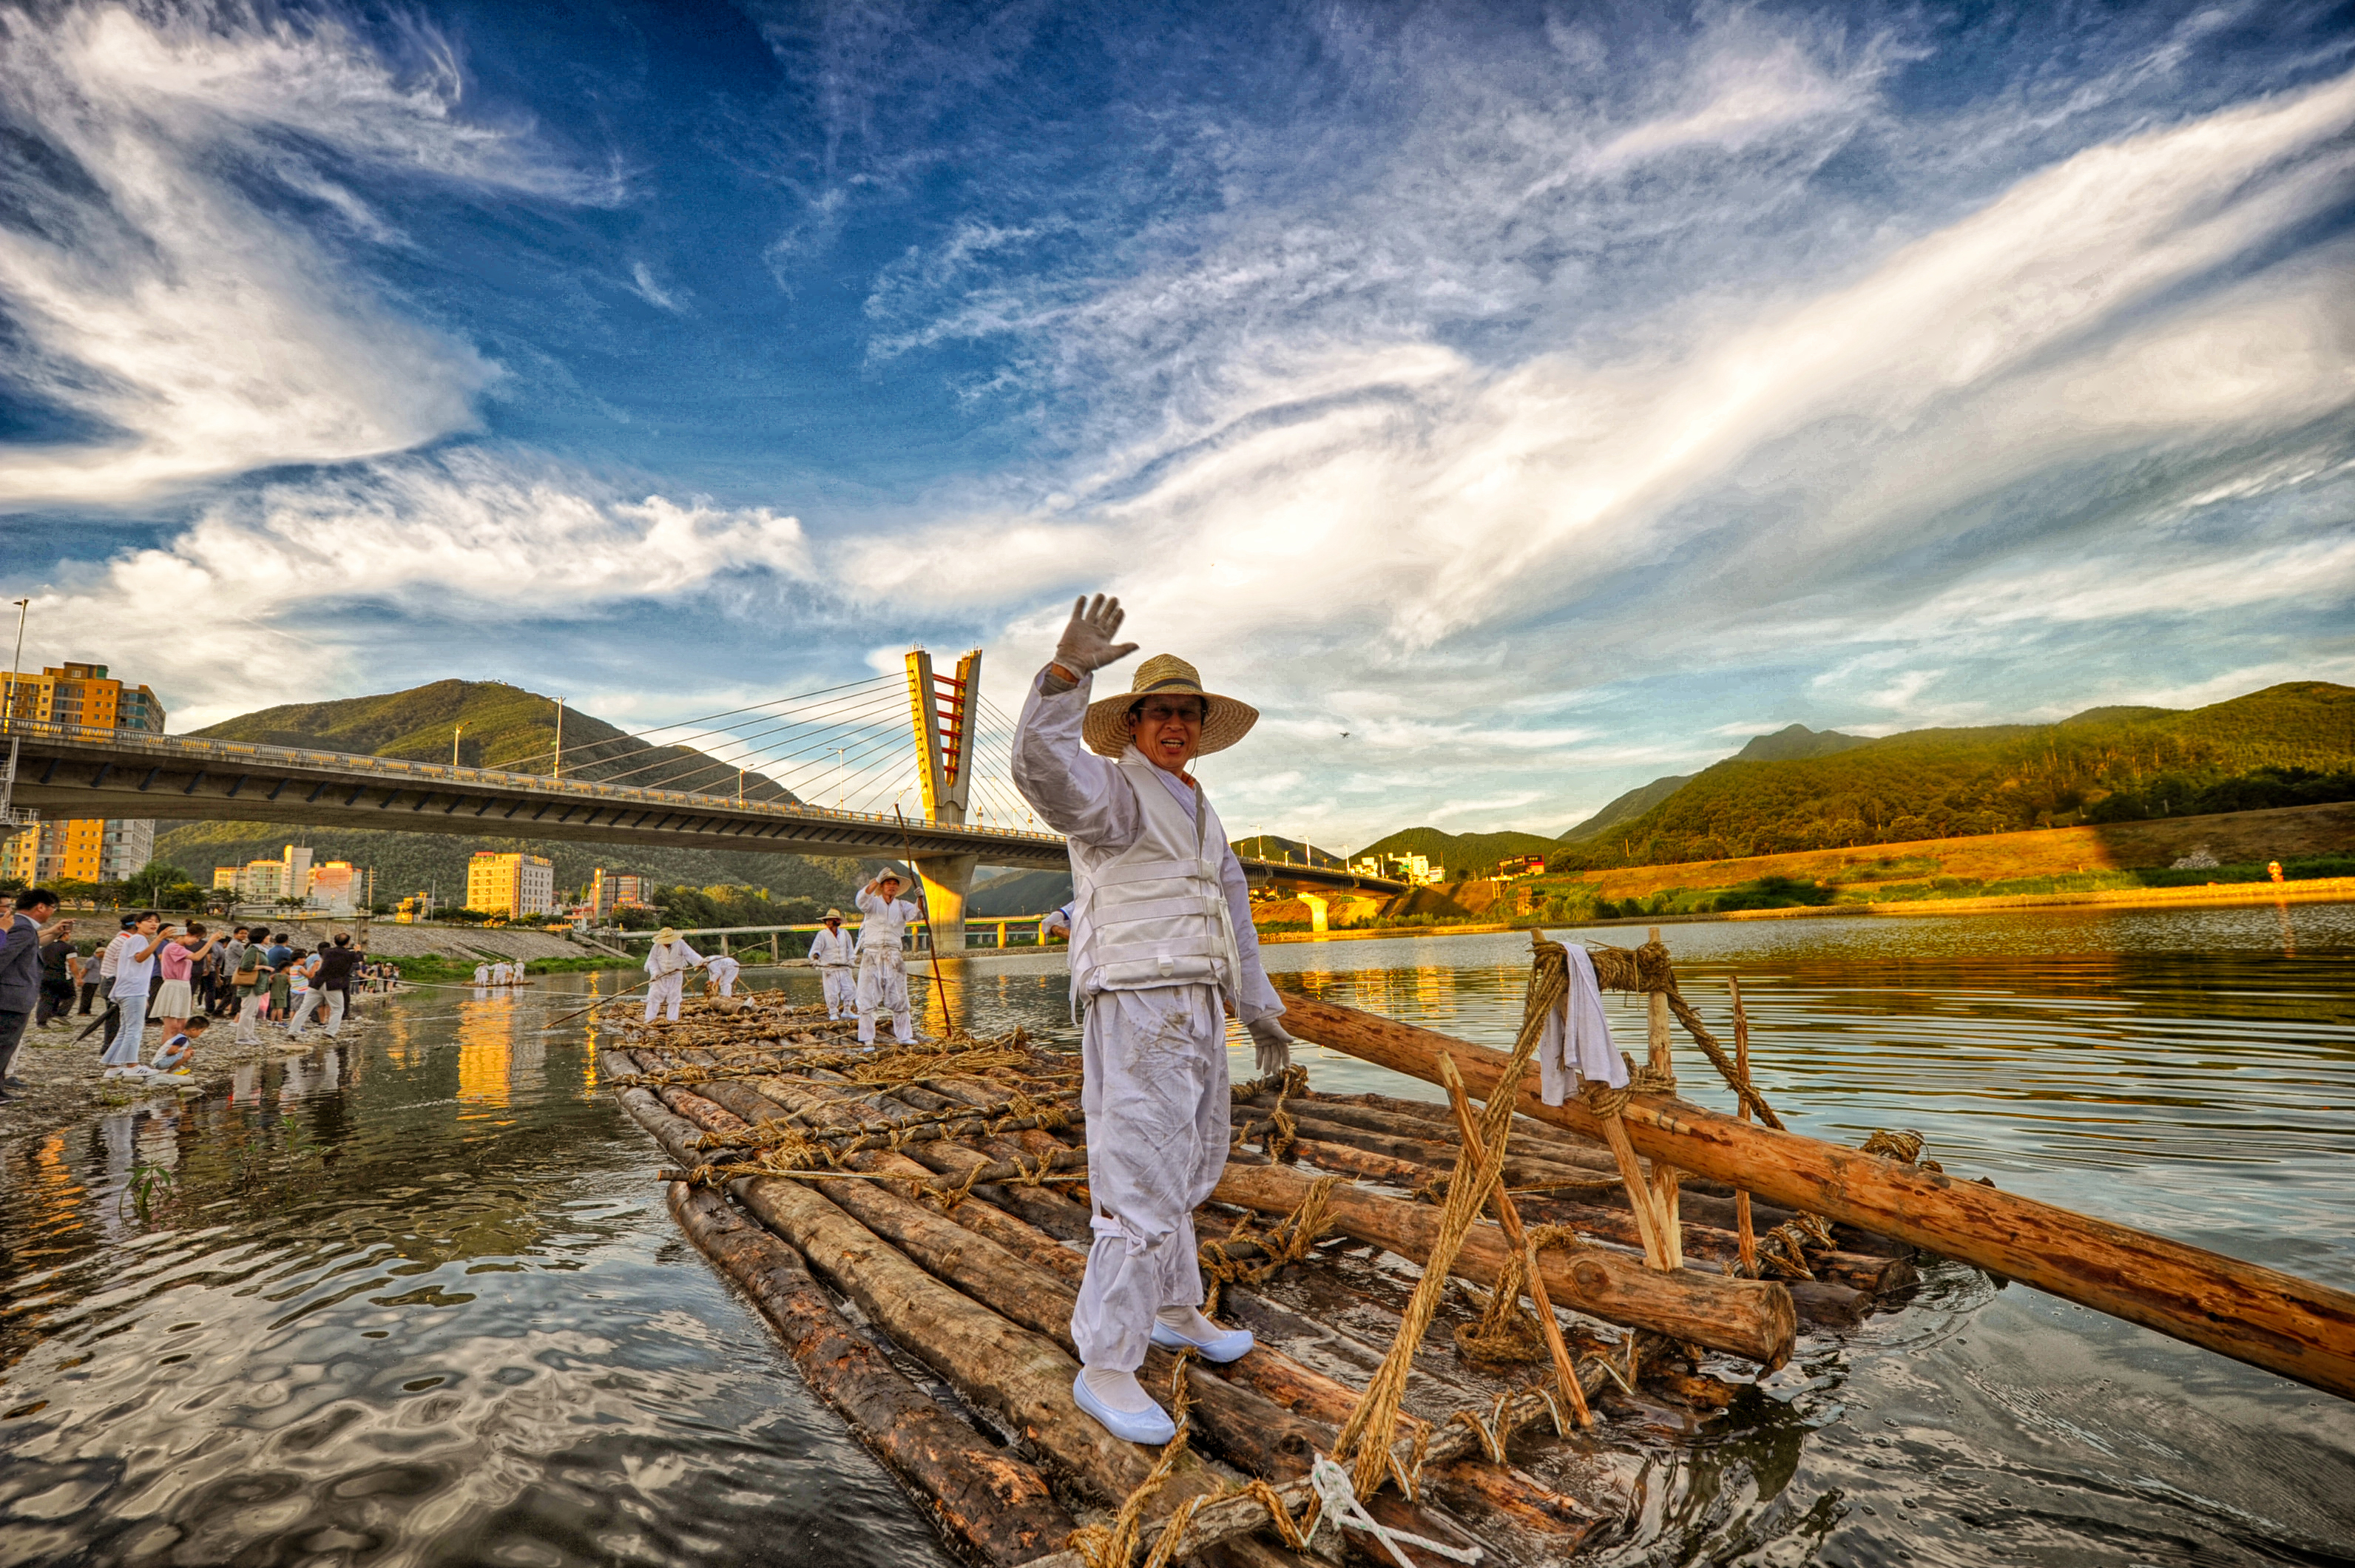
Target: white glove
(1275, 1046)
(1087, 644)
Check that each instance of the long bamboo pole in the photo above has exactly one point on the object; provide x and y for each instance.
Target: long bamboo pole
(2294, 1326)
(1749, 1241)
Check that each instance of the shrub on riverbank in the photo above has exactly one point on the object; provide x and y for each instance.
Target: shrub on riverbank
(436, 969)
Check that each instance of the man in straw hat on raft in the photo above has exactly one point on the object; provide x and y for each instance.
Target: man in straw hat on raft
(831, 951)
(1162, 950)
(667, 962)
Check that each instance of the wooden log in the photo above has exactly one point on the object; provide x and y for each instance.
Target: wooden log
(1748, 1238)
(1022, 1376)
(994, 1503)
(1743, 1318)
(985, 1497)
(1590, 1216)
(1664, 1208)
(2294, 1326)
(1251, 1432)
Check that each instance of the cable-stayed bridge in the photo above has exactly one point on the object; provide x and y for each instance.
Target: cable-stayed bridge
(917, 767)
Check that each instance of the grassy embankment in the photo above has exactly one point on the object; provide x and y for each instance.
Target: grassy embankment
(434, 969)
(2311, 843)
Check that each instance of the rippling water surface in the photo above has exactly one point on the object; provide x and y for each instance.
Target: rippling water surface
(415, 1299)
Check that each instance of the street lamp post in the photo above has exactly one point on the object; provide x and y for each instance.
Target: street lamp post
(454, 741)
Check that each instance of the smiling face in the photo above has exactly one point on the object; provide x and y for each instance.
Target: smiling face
(1167, 730)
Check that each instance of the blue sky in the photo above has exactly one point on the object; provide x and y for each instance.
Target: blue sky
(1547, 396)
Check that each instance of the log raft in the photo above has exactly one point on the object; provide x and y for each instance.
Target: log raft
(2300, 1329)
(853, 1193)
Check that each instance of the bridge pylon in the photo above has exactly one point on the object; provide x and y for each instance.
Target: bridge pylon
(941, 709)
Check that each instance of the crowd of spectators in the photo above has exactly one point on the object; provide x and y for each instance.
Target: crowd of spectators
(177, 978)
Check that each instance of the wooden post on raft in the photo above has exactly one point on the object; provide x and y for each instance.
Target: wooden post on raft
(1748, 1239)
(1565, 1371)
(1664, 1176)
(2271, 1319)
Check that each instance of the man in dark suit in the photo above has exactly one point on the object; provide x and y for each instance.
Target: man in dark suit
(20, 977)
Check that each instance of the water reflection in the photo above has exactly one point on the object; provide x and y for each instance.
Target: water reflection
(366, 1322)
(412, 1297)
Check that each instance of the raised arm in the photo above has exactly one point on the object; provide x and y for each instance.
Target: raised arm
(1075, 791)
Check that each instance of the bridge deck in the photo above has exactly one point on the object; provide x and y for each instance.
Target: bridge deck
(78, 771)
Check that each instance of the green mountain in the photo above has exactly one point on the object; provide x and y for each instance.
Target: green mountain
(491, 724)
(1627, 809)
(508, 728)
(1797, 743)
(2280, 746)
(1463, 854)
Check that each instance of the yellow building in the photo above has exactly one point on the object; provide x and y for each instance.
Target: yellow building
(510, 884)
(82, 694)
(89, 849)
(78, 848)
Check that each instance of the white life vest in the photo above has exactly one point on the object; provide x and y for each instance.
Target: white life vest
(1155, 913)
(885, 924)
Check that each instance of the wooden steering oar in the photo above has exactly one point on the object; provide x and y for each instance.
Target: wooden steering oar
(931, 932)
(599, 1003)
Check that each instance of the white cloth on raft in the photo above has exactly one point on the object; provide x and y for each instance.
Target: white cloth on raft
(1575, 1045)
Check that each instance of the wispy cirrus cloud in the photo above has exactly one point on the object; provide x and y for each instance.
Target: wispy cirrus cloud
(167, 207)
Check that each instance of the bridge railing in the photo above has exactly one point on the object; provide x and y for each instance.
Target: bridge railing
(229, 754)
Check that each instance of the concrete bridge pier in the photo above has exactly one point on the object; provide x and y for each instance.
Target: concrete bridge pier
(947, 879)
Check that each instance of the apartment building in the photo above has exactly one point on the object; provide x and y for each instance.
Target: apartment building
(510, 884)
(85, 849)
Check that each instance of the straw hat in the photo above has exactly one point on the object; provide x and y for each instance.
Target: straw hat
(831, 914)
(888, 875)
(666, 936)
(1226, 721)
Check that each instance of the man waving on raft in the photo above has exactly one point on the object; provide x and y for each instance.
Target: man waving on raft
(1162, 948)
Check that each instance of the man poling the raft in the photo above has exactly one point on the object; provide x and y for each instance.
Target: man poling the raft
(1162, 949)
(667, 962)
(882, 972)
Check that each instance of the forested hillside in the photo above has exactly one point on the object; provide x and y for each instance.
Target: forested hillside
(2288, 745)
(504, 727)
(1475, 854)
(493, 725)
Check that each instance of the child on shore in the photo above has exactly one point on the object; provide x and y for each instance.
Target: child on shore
(178, 1056)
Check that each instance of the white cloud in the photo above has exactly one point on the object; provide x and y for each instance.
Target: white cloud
(299, 575)
(652, 292)
(200, 330)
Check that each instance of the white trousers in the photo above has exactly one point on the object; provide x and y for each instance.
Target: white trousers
(329, 1002)
(124, 1052)
(841, 990)
(249, 1017)
(1154, 1091)
(664, 993)
(883, 983)
(727, 984)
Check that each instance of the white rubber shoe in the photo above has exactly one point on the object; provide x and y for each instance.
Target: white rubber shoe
(1223, 1345)
(1151, 1424)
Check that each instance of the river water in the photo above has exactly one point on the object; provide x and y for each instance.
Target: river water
(415, 1299)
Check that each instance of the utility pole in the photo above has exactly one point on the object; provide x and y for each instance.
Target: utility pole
(8, 785)
(454, 741)
(16, 666)
(557, 769)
